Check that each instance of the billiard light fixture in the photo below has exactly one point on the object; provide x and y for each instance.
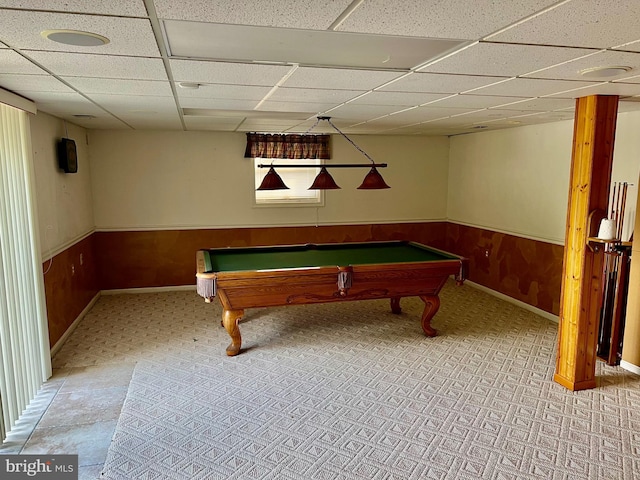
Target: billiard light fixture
(324, 181)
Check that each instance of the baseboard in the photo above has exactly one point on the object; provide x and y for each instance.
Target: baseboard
(174, 288)
(73, 326)
(630, 367)
(507, 298)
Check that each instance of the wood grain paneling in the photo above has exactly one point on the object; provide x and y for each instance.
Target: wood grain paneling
(524, 269)
(69, 290)
(167, 257)
(527, 270)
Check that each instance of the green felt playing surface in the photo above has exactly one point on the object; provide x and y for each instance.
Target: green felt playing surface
(301, 256)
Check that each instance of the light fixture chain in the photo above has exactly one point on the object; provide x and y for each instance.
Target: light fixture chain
(328, 119)
(313, 126)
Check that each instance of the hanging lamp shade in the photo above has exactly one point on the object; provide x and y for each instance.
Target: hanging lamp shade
(272, 181)
(373, 181)
(324, 181)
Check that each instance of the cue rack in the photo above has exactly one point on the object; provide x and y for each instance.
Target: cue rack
(615, 282)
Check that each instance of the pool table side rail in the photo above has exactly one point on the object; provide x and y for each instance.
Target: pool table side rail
(250, 289)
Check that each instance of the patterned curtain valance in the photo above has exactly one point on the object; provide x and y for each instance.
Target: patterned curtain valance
(266, 145)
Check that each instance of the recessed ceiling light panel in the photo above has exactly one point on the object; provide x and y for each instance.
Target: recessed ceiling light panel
(75, 38)
(248, 43)
(604, 72)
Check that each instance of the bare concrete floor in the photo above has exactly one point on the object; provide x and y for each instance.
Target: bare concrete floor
(75, 412)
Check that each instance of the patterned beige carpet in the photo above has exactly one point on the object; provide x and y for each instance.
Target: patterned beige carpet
(351, 391)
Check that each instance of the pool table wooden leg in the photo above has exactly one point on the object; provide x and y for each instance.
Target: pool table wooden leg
(431, 306)
(230, 319)
(395, 305)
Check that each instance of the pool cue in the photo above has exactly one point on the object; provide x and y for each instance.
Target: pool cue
(622, 209)
(609, 276)
(604, 282)
(619, 290)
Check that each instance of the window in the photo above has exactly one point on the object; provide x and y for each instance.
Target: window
(297, 179)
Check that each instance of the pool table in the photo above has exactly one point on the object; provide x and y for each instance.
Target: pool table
(317, 273)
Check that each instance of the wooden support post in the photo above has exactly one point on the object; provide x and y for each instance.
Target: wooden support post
(581, 298)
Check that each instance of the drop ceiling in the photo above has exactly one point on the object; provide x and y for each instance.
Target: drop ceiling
(421, 67)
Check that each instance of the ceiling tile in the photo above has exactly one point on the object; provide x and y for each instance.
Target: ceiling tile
(622, 89)
(219, 104)
(12, 62)
(213, 123)
(438, 83)
(298, 107)
(472, 101)
(128, 36)
(530, 87)
(101, 66)
(99, 123)
(504, 59)
(406, 99)
(262, 114)
(65, 103)
(362, 112)
(483, 85)
(338, 78)
(540, 104)
(126, 104)
(420, 114)
(229, 73)
(152, 121)
(570, 70)
(442, 19)
(631, 47)
(127, 8)
(304, 14)
(544, 117)
(313, 95)
(635, 79)
(120, 87)
(266, 125)
(483, 116)
(589, 23)
(27, 83)
(220, 91)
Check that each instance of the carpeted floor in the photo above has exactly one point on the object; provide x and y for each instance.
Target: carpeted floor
(350, 391)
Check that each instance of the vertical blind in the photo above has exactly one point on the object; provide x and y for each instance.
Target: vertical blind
(25, 361)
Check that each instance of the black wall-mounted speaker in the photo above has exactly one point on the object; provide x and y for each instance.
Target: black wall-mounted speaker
(67, 155)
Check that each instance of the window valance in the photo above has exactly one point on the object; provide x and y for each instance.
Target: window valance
(267, 145)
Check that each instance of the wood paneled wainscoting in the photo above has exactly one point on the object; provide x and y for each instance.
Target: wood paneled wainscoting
(526, 270)
(70, 284)
(167, 257)
(521, 268)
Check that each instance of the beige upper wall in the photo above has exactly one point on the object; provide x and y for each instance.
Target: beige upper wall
(512, 180)
(517, 180)
(63, 200)
(151, 179)
(626, 164)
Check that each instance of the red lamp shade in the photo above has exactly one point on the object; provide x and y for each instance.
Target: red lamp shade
(272, 181)
(373, 181)
(324, 181)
